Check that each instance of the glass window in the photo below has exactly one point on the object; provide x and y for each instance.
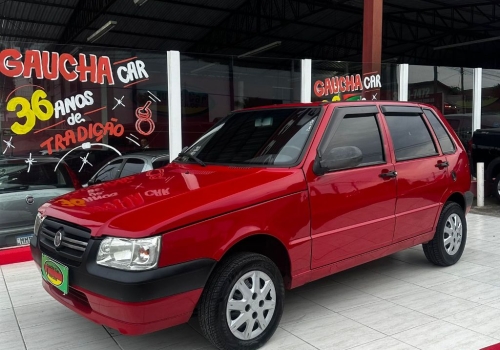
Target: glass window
(447, 145)
(361, 131)
(132, 166)
(273, 136)
(410, 137)
(109, 172)
(14, 176)
(159, 163)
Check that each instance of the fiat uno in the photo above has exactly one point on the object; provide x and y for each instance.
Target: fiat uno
(268, 199)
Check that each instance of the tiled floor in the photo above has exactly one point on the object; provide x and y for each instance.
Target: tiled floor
(399, 302)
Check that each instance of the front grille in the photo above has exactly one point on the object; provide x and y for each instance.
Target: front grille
(73, 245)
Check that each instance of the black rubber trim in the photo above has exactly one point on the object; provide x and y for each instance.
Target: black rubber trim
(134, 286)
(469, 197)
(390, 109)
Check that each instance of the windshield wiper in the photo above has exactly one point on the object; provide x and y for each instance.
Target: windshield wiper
(195, 158)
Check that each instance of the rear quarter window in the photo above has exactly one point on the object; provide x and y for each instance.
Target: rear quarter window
(444, 139)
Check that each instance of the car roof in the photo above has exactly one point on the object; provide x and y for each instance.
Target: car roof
(336, 104)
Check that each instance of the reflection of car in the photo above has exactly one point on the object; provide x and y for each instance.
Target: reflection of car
(269, 198)
(22, 192)
(130, 164)
(96, 157)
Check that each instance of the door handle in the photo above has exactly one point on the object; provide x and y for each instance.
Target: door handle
(441, 165)
(389, 174)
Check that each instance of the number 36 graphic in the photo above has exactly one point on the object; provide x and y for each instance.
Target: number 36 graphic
(30, 111)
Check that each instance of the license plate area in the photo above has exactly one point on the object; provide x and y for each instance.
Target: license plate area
(55, 273)
(23, 239)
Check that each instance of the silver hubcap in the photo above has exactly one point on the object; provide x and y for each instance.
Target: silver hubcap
(453, 234)
(251, 305)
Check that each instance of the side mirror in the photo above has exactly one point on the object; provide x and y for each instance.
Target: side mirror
(338, 158)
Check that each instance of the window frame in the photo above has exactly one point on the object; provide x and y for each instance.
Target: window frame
(338, 114)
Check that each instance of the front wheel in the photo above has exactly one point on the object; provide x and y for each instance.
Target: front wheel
(242, 303)
(448, 243)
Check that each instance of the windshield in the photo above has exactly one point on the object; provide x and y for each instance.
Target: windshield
(262, 137)
(21, 177)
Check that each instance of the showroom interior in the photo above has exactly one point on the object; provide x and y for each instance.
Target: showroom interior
(119, 76)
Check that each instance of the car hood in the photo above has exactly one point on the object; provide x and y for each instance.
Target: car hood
(177, 195)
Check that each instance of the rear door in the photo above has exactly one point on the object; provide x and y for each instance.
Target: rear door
(352, 210)
(422, 176)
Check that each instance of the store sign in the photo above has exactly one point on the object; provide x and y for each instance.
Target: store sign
(354, 84)
(32, 105)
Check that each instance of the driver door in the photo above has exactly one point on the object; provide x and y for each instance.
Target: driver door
(353, 210)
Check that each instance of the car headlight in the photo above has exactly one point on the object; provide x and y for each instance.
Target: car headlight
(38, 223)
(129, 254)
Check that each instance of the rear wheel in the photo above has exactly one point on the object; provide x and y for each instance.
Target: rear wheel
(242, 303)
(448, 243)
(496, 187)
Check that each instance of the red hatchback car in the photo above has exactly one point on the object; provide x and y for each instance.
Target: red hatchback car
(269, 198)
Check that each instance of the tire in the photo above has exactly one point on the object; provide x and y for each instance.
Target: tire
(496, 187)
(234, 280)
(452, 228)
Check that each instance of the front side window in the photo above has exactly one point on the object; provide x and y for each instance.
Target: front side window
(410, 137)
(132, 166)
(274, 137)
(109, 172)
(360, 131)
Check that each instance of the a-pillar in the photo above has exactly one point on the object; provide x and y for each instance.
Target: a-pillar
(372, 47)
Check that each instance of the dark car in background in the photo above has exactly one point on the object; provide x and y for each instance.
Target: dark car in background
(25, 184)
(462, 125)
(130, 164)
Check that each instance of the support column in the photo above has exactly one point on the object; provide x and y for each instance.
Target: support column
(305, 81)
(174, 103)
(372, 46)
(403, 70)
(476, 99)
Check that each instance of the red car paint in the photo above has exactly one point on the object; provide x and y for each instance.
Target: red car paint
(321, 224)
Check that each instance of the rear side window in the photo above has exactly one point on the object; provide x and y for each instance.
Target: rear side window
(410, 137)
(361, 131)
(447, 145)
(132, 166)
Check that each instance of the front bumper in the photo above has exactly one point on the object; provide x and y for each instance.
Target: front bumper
(133, 302)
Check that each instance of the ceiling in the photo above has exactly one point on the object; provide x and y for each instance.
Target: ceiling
(317, 29)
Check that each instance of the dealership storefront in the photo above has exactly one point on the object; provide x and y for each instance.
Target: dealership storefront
(87, 105)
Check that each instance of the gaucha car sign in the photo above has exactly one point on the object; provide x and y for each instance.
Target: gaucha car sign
(268, 199)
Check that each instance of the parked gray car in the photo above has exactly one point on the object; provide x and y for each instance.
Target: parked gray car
(130, 164)
(25, 184)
